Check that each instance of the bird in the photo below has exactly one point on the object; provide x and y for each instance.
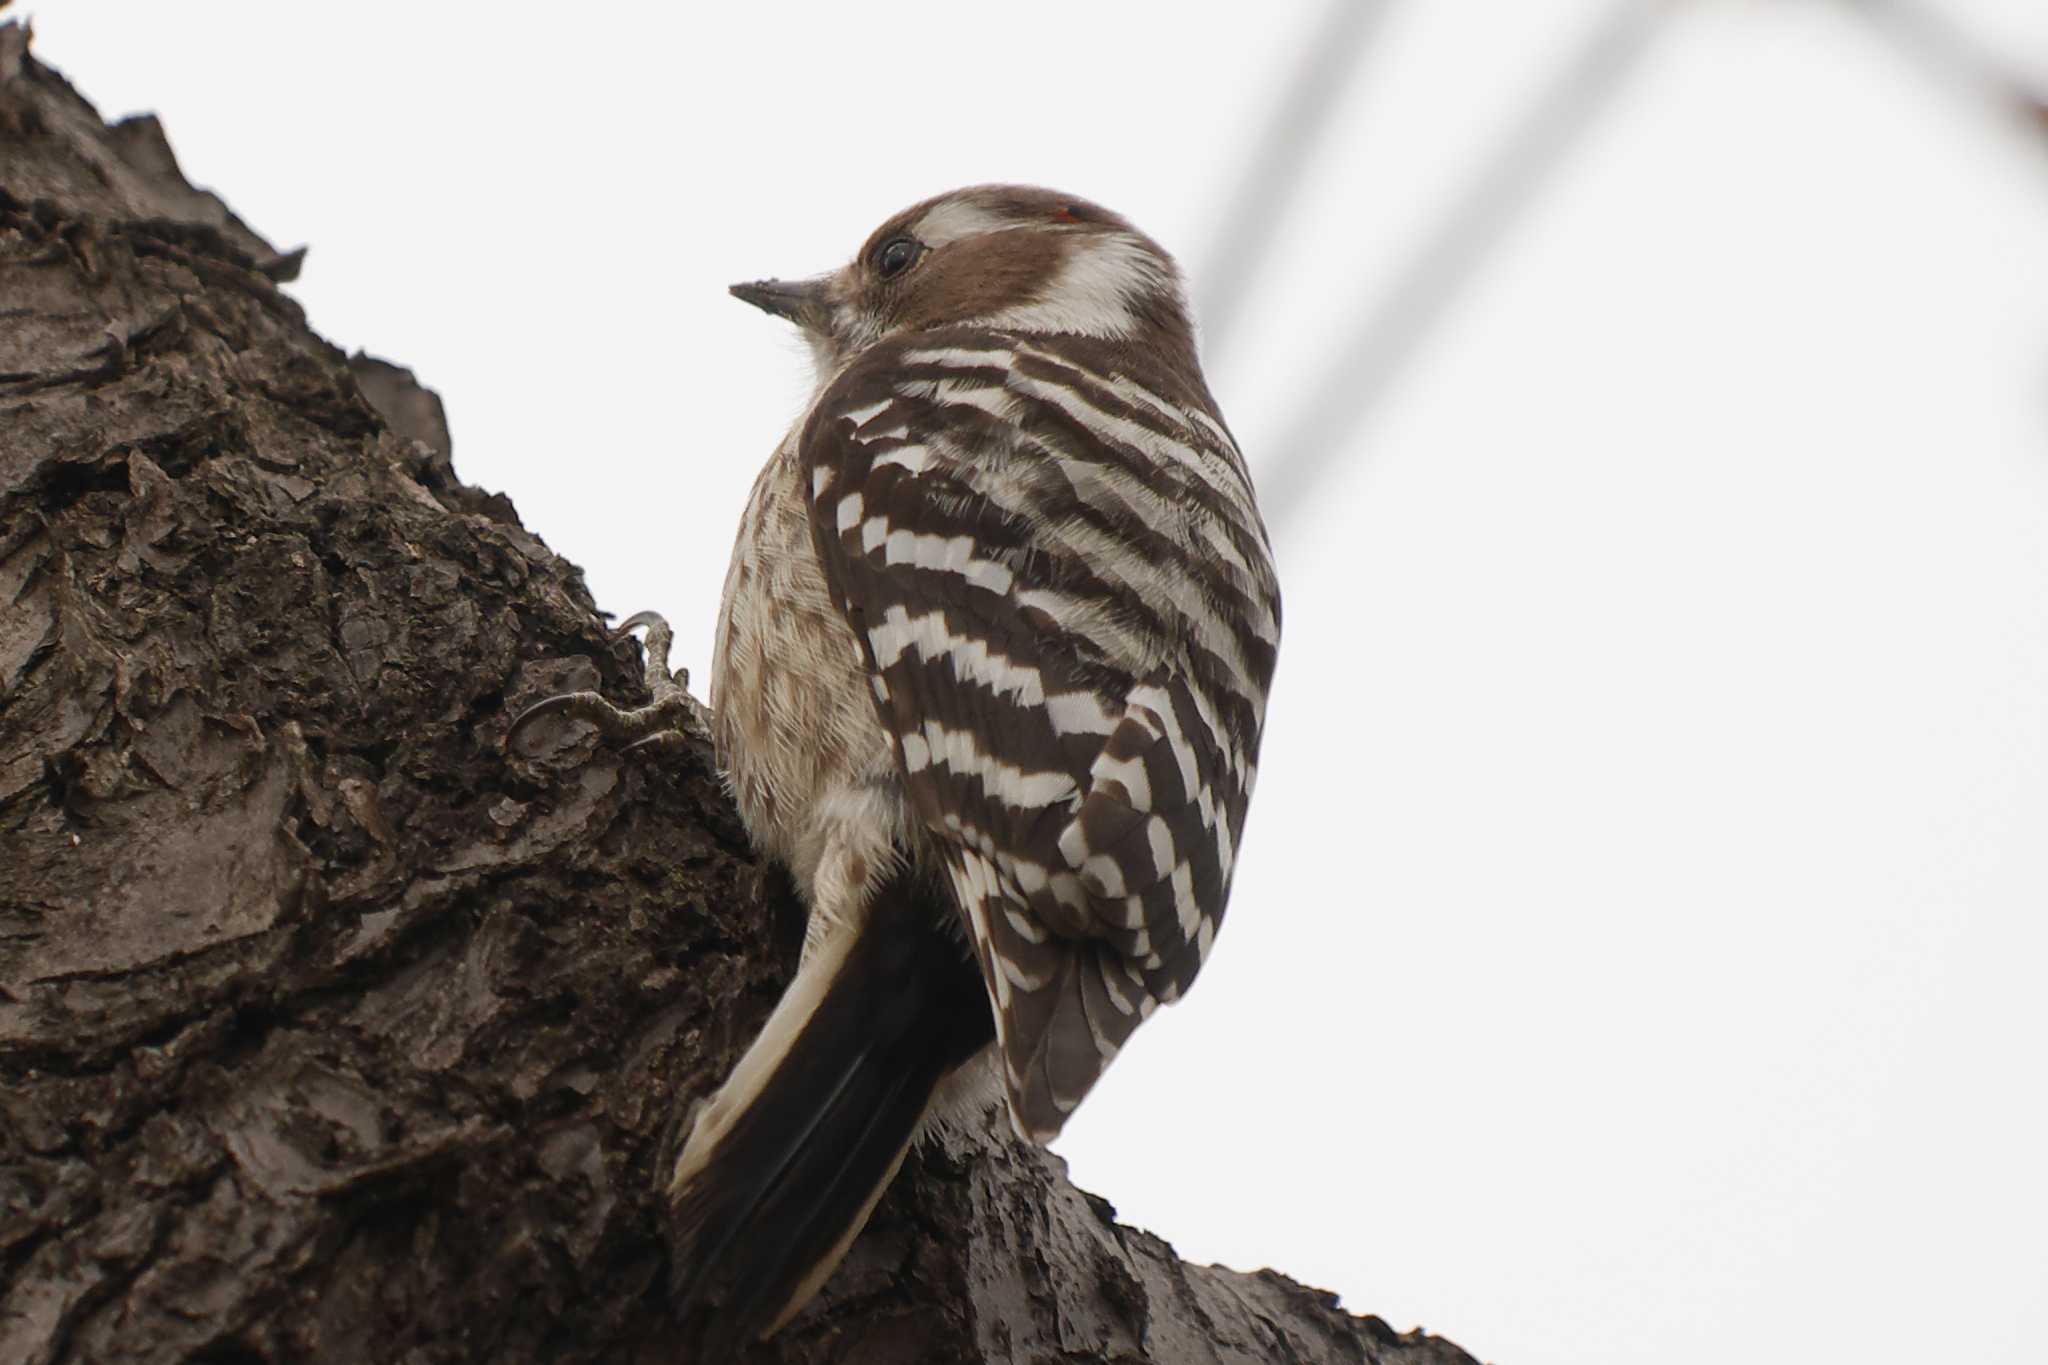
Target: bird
(989, 679)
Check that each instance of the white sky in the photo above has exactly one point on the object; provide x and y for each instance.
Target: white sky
(1638, 950)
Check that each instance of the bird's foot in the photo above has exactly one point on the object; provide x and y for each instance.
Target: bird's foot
(671, 721)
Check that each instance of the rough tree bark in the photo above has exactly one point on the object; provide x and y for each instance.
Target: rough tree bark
(328, 1029)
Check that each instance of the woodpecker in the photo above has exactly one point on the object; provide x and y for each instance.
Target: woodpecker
(990, 675)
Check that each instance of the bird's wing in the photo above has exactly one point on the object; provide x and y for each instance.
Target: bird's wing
(1067, 608)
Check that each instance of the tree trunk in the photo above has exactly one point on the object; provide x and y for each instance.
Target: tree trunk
(329, 1029)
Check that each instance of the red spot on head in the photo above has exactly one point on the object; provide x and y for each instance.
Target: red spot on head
(1064, 215)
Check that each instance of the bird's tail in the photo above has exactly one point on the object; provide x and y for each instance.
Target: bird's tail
(786, 1162)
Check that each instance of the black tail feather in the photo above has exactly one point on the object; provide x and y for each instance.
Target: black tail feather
(802, 1163)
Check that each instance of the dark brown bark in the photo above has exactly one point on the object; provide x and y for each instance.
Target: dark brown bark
(328, 1030)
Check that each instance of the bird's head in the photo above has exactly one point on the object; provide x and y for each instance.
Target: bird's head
(1010, 257)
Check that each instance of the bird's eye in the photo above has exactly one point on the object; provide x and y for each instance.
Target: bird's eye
(895, 255)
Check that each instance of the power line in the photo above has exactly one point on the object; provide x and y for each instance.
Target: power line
(1454, 249)
(1278, 163)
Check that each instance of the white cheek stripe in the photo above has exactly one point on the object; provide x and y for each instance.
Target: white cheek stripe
(1093, 291)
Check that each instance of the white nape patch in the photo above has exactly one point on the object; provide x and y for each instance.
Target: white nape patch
(953, 219)
(1094, 290)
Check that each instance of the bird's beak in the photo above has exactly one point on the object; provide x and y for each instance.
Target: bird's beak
(801, 301)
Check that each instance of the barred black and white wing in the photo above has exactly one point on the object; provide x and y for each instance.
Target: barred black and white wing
(1053, 563)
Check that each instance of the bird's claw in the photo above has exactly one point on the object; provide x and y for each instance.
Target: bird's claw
(672, 720)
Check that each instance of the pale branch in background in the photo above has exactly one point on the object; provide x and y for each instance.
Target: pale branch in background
(1936, 41)
(1276, 171)
(1453, 249)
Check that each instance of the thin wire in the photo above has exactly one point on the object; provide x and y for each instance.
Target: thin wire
(1453, 250)
(1276, 174)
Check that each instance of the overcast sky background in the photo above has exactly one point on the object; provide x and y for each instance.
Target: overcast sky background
(1638, 949)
